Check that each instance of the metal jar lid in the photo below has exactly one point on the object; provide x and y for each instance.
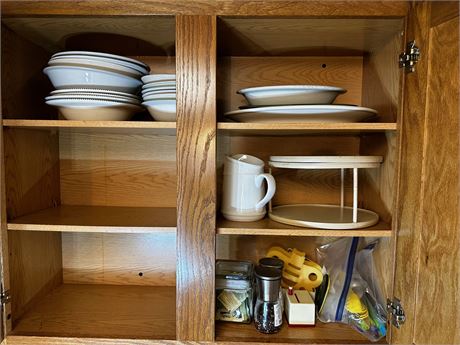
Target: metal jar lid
(271, 262)
(267, 273)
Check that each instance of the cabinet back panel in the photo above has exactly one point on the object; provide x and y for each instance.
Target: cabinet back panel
(35, 267)
(108, 169)
(31, 170)
(236, 73)
(119, 259)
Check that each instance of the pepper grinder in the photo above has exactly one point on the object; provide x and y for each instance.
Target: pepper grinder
(268, 315)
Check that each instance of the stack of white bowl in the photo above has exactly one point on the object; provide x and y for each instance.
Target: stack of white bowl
(159, 95)
(95, 86)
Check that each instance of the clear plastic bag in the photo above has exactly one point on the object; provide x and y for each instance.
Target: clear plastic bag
(354, 295)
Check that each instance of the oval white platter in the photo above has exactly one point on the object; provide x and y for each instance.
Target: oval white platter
(291, 94)
(83, 62)
(322, 216)
(302, 113)
(104, 55)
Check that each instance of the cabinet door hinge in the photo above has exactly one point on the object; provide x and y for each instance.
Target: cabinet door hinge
(410, 57)
(396, 313)
(5, 297)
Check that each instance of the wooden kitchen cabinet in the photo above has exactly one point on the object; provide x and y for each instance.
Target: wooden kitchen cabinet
(110, 230)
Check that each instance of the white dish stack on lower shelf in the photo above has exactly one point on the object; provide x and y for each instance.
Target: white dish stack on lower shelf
(337, 217)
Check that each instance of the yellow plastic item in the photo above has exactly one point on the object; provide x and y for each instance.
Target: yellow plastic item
(303, 273)
(354, 306)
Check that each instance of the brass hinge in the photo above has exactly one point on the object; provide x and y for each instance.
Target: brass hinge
(395, 312)
(410, 57)
(5, 297)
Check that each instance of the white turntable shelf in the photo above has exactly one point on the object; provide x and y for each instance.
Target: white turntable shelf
(323, 216)
(336, 217)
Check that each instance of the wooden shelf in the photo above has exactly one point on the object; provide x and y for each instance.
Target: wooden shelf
(322, 333)
(102, 311)
(168, 128)
(98, 219)
(239, 128)
(269, 227)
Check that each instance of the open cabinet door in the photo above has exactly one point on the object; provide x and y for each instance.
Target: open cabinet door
(427, 249)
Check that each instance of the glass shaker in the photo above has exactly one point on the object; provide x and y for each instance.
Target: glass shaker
(268, 315)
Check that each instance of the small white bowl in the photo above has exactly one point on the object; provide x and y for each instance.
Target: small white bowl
(158, 77)
(160, 84)
(167, 95)
(162, 109)
(70, 77)
(94, 110)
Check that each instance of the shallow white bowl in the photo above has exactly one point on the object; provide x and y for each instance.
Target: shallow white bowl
(70, 77)
(152, 78)
(102, 65)
(94, 110)
(160, 84)
(158, 90)
(162, 109)
(291, 95)
(167, 95)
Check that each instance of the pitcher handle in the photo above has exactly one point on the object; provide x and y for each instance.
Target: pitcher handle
(271, 188)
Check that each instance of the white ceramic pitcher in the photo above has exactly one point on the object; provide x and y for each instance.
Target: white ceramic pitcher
(244, 197)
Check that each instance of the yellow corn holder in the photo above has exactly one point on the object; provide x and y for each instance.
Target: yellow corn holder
(298, 272)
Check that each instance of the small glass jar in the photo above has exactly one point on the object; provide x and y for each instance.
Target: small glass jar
(234, 292)
(268, 314)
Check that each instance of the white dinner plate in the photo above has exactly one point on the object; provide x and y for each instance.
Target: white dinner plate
(322, 216)
(92, 96)
(73, 77)
(162, 109)
(94, 110)
(152, 78)
(291, 94)
(87, 62)
(94, 91)
(160, 96)
(104, 55)
(159, 90)
(302, 113)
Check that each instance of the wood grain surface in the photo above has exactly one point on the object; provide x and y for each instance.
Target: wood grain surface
(409, 212)
(35, 268)
(268, 227)
(65, 218)
(208, 7)
(292, 129)
(439, 257)
(321, 333)
(106, 169)
(104, 311)
(119, 259)
(196, 170)
(237, 73)
(153, 35)
(294, 36)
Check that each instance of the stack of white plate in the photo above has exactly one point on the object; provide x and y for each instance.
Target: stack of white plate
(296, 103)
(159, 95)
(95, 86)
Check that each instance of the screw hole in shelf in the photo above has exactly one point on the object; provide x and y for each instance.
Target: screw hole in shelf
(323, 65)
(141, 274)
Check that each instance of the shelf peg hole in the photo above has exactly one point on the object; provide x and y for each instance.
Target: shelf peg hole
(323, 65)
(141, 274)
